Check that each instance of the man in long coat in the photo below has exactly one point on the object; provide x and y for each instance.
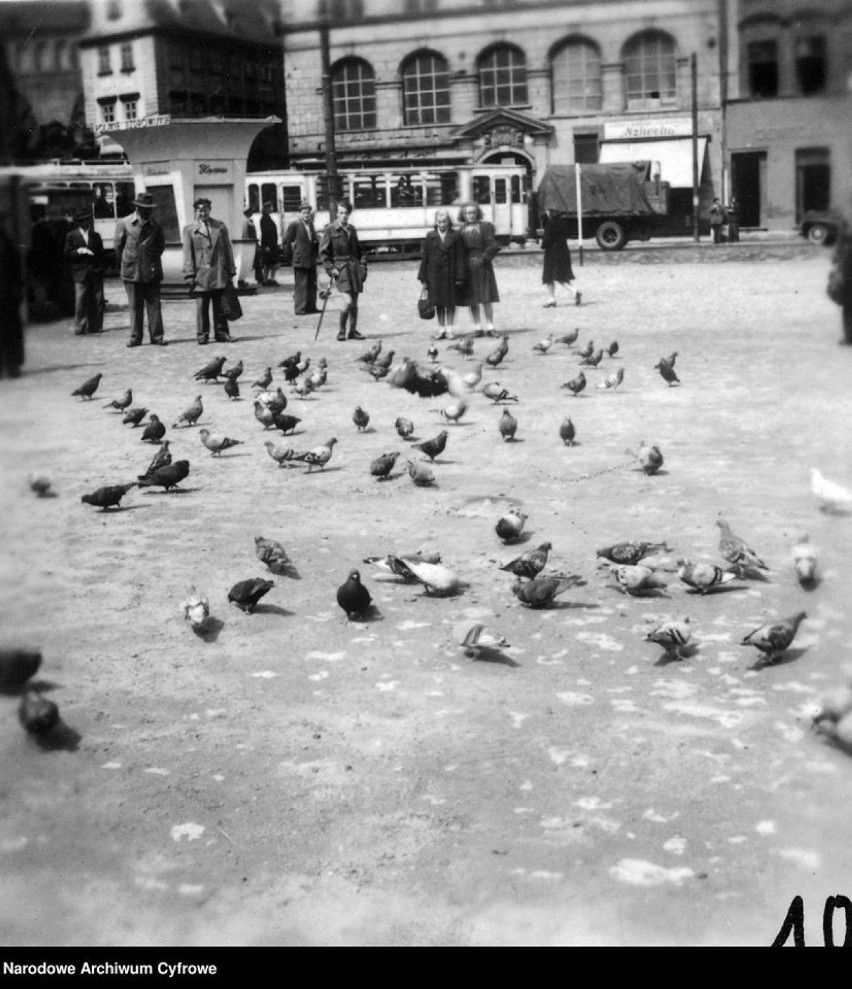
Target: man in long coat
(208, 267)
(84, 252)
(139, 245)
(344, 261)
(11, 296)
(301, 245)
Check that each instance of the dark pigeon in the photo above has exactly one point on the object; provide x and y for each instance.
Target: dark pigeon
(88, 388)
(168, 476)
(108, 497)
(352, 596)
(246, 593)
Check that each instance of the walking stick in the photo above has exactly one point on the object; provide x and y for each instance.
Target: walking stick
(325, 293)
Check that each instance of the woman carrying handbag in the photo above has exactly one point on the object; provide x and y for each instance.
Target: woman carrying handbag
(441, 273)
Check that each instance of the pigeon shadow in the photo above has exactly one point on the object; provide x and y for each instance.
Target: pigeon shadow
(524, 537)
(174, 491)
(272, 609)
(788, 656)
(834, 510)
(372, 614)
(321, 470)
(491, 654)
(667, 658)
(288, 571)
(208, 631)
(61, 738)
(514, 439)
(721, 589)
(810, 585)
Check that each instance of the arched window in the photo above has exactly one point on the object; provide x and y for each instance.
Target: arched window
(353, 93)
(502, 76)
(576, 72)
(426, 89)
(650, 64)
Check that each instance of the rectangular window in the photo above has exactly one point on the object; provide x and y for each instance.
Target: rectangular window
(269, 194)
(482, 189)
(104, 65)
(811, 65)
(292, 196)
(127, 58)
(368, 191)
(813, 180)
(107, 113)
(130, 109)
(763, 68)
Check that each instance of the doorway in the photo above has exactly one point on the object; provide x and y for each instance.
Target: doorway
(748, 170)
(813, 180)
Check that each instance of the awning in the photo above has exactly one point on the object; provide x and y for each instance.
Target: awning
(674, 156)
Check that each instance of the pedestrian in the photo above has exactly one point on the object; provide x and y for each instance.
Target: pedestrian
(842, 261)
(717, 220)
(344, 261)
(557, 257)
(139, 245)
(208, 266)
(250, 234)
(442, 271)
(480, 248)
(301, 247)
(11, 296)
(84, 252)
(733, 212)
(268, 245)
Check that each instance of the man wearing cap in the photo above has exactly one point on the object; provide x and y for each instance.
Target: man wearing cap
(139, 245)
(84, 252)
(301, 244)
(208, 267)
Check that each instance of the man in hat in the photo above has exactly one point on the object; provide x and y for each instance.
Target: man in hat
(208, 267)
(301, 245)
(84, 252)
(139, 245)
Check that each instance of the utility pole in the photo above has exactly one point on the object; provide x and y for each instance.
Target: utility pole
(694, 76)
(328, 115)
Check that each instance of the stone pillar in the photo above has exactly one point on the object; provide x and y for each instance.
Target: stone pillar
(389, 114)
(612, 81)
(539, 92)
(464, 96)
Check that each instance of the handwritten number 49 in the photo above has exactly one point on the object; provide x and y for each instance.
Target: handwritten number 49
(795, 922)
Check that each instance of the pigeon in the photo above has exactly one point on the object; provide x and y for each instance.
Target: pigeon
(835, 706)
(292, 360)
(703, 576)
(161, 459)
(168, 476)
(672, 636)
(540, 592)
(122, 403)
(234, 372)
(273, 554)
(497, 393)
(352, 596)
(41, 486)
(508, 426)
(190, 415)
(569, 339)
(805, 562)
(613, 380)
(454, 412)
(576, 385)
(370, 356)
(303, 365)
(216, 442)
(280, 452)
(17, 665)
(432, 353)
(382, 466)
(264, 381)
(211, 370)
(377, 371)
(286, 423)
(384, 362)
(635, 580)
(319, 456)
(667, 371)
(37, 714)
(832, 497)
(392, 565)
(88, 388)
(264, 415)
(404, 427)
(650, 457)
(433, 447)
(630, 553)
(463, 346)
(246, 593)
(276, 402)
(422, 475)
(544, 345)
(567, 432)
(496, 356)
(612, 349)
(195, 607)
(774, 638)
(529, 564)
(735, 550)
(232, 389)
(361, 418)
(108, 497)
(455, 383)
(475, 639)
(435, 577)
(134, 417)
(154, 431)
(510, 526)
(291, 372)
(318, 378)
(587, 351)
(473, 378)
(593, 359)
(302, 387)
(671, 358)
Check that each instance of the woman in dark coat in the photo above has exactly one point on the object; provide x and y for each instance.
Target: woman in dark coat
(442, 271)
(480, 249)
(557, 258)
(843, 261)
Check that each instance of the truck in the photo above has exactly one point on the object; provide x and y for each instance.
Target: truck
(619, 201)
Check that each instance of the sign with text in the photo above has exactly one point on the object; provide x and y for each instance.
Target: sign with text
(214, 172)
(635, 130)
(152, 169)
(159, 120)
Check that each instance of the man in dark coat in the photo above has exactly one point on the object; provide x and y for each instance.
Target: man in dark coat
(139, 245)
(344, 261)
(268, 245)
(208, 267)
(84, 252)
(301, 245)
(11, 294)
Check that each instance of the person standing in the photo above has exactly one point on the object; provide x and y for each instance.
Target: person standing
(557, 258)
(842, 260)
(250, 234)
(343, 259)
(301, 245)
(84, 252)
(717, 220)
(442, 271)
(11, 296)
(268, 245)
(139, 245)
(208, 266)
(480, 248)
(733, 212)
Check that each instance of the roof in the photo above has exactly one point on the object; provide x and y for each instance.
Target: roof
(37, 17)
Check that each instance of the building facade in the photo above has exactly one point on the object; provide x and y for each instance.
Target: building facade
(535, 82)
(789, 116)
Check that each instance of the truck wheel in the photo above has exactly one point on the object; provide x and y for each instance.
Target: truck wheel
(818, 233)
(611, 236)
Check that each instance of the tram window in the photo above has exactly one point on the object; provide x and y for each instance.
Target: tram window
(253, 198)
(516, 188)
(449, 188)
(368, 191)
(402, 191)
(482, 189)
(269, 194)
(104, 205)
(434, 189)
(291, 196)
(125, 193)
(500, 191)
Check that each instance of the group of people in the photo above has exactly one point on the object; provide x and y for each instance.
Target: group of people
(720, 216)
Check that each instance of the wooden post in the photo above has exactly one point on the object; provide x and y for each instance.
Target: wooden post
(328, 115)
(695, 197)
(579, 212)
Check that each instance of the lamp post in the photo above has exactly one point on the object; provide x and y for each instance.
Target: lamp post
(328, 115)
(693, 71)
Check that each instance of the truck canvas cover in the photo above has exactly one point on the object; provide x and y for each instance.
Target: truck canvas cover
(612, 189)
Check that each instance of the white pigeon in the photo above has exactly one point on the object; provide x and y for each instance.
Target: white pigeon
(435, 577)
(832, 497)
(544, 345)
(455, 383)
(805, 561)
(475, 637)
(196, 607)
(454, 412)
(472, 378)
(613, 380)
(672, 636)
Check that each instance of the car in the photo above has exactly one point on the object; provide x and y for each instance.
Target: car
(820, 226)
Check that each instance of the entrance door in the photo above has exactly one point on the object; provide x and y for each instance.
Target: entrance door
(747, 171)
(813, 180)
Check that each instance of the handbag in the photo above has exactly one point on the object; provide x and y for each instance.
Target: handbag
(231, 308)
(836, 287)
(424, 307)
